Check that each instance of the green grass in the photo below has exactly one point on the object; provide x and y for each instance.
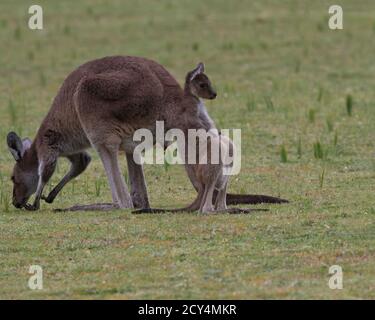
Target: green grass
(349, 104)
(280, 74)
(283, 154)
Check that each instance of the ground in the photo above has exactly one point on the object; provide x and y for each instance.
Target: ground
(304, 98)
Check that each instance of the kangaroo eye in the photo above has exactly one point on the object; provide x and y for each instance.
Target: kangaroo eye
(12, 178)
(203, 85)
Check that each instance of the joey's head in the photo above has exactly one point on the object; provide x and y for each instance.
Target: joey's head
(198, 84)
(25, 171)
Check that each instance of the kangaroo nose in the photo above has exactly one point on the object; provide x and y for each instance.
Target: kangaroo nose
(214, 95)
(17, 205)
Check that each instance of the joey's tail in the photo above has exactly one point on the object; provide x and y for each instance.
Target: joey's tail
(252, 199)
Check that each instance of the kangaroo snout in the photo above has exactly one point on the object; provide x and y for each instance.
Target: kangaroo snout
(19, 204)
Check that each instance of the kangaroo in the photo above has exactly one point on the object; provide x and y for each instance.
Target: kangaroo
(206, 175)
(100, 105)
(209, 176)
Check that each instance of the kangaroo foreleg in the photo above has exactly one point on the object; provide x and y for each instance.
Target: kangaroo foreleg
(79, 163)
(46, 169)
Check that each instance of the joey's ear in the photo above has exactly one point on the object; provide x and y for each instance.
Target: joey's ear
(15, 145)
(199, 69)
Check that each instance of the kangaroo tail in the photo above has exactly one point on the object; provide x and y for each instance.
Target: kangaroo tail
(252, 199)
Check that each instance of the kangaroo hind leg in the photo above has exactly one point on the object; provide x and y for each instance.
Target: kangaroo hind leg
(120, 193)
(104, 134)
(221, 203)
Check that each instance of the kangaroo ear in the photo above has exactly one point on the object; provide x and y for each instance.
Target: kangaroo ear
(26, 144)
(15, 145)
(199, 69)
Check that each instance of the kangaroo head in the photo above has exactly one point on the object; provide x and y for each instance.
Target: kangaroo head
(25, 171)
(198, 84)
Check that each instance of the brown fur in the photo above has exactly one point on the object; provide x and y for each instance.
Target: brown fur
(101, 104)
(210, 176)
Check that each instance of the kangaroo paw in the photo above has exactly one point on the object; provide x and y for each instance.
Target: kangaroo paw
(49, 198)
(32, 207)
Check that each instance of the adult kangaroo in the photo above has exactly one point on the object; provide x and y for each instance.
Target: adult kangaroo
(101, 104)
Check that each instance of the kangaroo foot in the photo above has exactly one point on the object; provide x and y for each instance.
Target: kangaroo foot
(90, 207)
(242, 210)
(149, 210)
(158, 210)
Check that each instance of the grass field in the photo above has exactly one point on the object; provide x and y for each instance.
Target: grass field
(304, 98)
